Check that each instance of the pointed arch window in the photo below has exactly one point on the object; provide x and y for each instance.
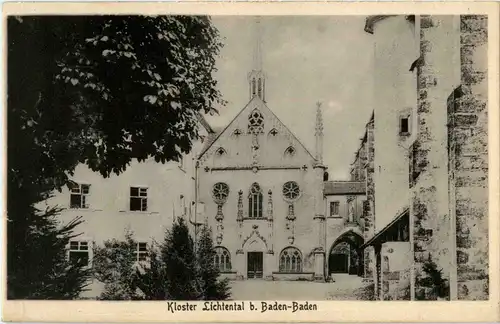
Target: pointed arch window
(273, 132)
(220, 151)
(255, 122)
(290, 260)
(290, 151)
(222, 259)
(255, 200)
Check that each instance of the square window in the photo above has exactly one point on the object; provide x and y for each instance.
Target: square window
(78, 196)
(79, 252)
(334, 208)
(138, 199)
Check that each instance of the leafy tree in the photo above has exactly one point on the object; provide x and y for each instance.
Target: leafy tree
(177, 254)
(99, 90)
(152, 280)
(44, 271)
(114, 265)
(211, 287)
(433, 283)
(121, 87)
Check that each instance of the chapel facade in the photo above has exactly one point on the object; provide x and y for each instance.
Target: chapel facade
(263, 194)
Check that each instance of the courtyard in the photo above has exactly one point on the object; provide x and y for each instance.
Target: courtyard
(343, 288)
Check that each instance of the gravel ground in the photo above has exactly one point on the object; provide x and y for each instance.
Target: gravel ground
(342, 289)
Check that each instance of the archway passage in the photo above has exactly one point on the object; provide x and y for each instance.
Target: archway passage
(345, 255)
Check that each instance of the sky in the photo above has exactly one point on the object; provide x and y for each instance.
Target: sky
(306, 59)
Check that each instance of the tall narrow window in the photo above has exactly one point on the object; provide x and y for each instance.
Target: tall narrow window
(142, 251)
(79, 252)
(138, 199)
(290, 260)
(255, 202)
(404, 125)
(79, 196)
(334, 208)
(222, 259)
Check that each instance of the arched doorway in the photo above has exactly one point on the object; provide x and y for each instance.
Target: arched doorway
(345, 255)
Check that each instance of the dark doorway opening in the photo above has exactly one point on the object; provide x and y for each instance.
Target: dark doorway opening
(255, 265)
(338, 263)
(346, 255)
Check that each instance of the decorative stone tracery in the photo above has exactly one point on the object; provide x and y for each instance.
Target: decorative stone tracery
(239, 217)
(255, 202)
(220, 192)
(291, 192)
(255, 122)
(270, 220)
(255, 233)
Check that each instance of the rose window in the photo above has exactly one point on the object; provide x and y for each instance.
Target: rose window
(291, 190)
(220, 192)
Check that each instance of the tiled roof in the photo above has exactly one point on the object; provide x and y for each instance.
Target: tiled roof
(204, 123)
(209, 140)
(344, 187)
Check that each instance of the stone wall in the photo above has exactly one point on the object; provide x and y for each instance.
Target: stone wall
(358, 172)
(396, 265)
(437, 75)
(468, 133)
(369, 203)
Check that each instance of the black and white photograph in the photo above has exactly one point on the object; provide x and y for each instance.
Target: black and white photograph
(230, 158)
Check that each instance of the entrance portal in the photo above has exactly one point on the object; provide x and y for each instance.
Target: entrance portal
(254, 264)
(338, 263)
(345, 255)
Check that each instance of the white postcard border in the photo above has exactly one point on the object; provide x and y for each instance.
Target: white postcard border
(328, 311)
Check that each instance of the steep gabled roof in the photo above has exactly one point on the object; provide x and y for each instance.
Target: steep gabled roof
(216, 137)
(209, 140)
(204, 123)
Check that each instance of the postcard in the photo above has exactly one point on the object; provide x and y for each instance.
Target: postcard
(251, 162)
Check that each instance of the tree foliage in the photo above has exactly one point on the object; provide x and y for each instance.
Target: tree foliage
(99, 90)
(114, 265)
(42, 269)
(173, 271)
(211, 287)
(104, 90)
(177, 254)
(432, 282)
